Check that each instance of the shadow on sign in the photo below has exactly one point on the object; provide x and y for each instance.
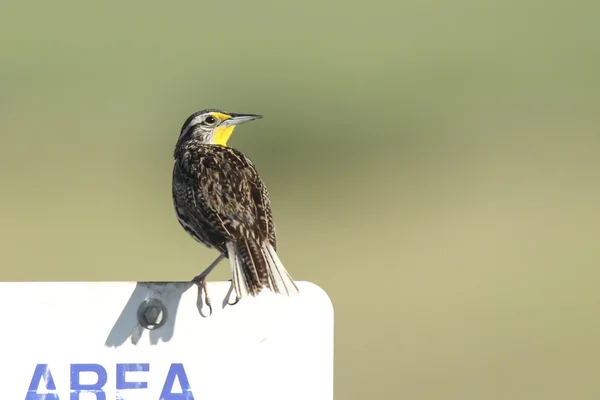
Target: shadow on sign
(128, 325)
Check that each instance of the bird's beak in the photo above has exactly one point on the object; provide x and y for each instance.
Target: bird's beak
(237, 119)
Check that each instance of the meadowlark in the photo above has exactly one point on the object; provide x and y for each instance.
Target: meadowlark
(221, 201)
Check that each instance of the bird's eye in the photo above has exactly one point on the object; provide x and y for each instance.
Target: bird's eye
(210, 120)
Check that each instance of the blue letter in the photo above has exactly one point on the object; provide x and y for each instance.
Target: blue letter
(176, 371)
(77, 387)
(122, 382)
(41, 372)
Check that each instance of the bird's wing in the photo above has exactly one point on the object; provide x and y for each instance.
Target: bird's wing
(234, 196)
(263, 204)
(191, 216)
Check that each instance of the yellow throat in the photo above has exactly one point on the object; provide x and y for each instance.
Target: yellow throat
(222, 134)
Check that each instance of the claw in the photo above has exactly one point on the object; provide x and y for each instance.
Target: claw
(237, 298)
(202, 286)
(201, 280)
(206, 298)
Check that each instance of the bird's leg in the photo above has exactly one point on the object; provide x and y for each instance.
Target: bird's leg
(201, 279)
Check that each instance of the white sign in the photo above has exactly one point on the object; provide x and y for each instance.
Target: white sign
(90, 341)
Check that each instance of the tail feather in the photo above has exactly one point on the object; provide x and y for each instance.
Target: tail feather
(254, 267)
(238, 278)
(280, 280)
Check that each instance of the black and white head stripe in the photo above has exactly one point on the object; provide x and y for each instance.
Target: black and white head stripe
(195, 119)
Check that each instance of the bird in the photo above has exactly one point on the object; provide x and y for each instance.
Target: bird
(221, 201)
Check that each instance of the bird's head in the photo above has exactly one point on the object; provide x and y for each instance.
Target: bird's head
(212, 126)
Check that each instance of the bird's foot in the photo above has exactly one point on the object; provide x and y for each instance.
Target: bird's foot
(231, 290)
(201, 281)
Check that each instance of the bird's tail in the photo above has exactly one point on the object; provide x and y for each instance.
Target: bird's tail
(255, 266)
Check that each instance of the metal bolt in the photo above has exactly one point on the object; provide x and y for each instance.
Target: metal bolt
(152, 314)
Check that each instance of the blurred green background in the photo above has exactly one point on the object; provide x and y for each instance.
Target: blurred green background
(434, 166)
